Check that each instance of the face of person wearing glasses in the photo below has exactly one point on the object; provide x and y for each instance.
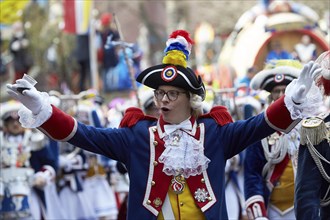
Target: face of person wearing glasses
(173, 103)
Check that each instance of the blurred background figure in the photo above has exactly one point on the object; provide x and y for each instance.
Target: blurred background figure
(247, 103)
(83, 60)
(305, 50)
(3, 68)
(18, 46)
(96, 184)
(107, 56)
(234, 187)
(243, 83)
(28, 170)
(277, 52)
(148, 103)
(83, 180)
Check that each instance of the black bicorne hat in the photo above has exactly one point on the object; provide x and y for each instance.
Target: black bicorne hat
(174, 70)
(275, 73)
(172, 75)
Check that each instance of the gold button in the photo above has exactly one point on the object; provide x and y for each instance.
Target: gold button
(153, 183)
(181, 203)
(154, 129)
(155, 143)
(148, 202)
(209, 198)
(155, 163)
(203, 180)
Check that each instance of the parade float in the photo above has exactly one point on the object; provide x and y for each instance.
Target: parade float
(285, 22)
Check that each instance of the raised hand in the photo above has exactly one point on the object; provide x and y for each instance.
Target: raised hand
(25, 92)
(304, 81)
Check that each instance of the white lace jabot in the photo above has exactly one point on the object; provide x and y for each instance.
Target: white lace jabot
(183, 154)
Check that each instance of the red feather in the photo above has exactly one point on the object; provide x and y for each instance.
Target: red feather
(182, 33)
(325, 84)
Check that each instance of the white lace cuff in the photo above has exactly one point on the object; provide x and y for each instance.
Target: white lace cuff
(29, 120)
(311, 106)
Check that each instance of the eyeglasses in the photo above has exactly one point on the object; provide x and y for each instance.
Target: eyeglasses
(172, 95)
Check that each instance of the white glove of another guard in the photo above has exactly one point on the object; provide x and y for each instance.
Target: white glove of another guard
(304, 82)
(30, 97)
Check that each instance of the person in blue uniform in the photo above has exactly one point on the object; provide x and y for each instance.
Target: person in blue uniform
(312, 188)
(277, 52)
(270, 164)
(28, 170)
(176, 163)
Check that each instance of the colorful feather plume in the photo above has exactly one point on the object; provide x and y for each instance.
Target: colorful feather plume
(178, 48)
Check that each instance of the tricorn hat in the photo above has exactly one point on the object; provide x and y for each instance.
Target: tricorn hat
(174, 70)
(276, 72)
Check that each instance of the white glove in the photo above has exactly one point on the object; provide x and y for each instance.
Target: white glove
(40, 179)
(304, 82)
(30, 97)
(65, 163)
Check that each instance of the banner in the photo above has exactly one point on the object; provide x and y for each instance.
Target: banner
(77, 16)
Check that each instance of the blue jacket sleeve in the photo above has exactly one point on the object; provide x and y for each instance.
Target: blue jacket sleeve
(253, 165)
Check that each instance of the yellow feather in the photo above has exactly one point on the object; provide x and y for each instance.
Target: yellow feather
(175, 57)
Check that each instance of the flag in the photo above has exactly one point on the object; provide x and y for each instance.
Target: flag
(11, 11)
(77, 16)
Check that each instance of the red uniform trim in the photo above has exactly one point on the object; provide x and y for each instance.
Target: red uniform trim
(278, 117)
(60, 126)
(132, 116)
(220, 114)
(194, 183)
(162, 181)
(257, 209)
(279, 169)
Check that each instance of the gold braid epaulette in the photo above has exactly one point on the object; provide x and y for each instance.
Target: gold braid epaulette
(314, 130)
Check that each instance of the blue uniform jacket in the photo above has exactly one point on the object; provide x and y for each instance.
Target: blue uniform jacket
(310, 185)
(254, 183)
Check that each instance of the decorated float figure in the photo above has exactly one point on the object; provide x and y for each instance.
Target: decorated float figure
(270, 164)
(305, 50)
(28, 170)
(176, 163)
